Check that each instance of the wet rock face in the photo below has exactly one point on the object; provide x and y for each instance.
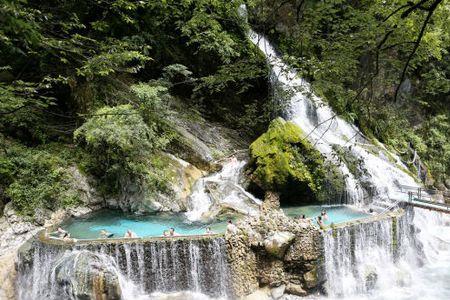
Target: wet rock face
(181, 177)
(274, 250)
(278, 242)
(86, 275)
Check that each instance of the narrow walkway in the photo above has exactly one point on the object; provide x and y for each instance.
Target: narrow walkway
(420, 197)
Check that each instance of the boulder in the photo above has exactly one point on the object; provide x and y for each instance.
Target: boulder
(84, 187)
(447, 183)
(271, 201)
(8, 276)
(277, 243)
(296, 290)
(278, 291)
(310, 278)
(181, 178)
(370, 278)
(83, 275)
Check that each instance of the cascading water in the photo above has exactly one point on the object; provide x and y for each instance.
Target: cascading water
(378, 260)
(326, 131)
(361, 258)
(125, 270)
(222, 189)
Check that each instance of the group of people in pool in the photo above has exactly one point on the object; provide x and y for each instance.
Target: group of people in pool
(319, 219)
(130, 234)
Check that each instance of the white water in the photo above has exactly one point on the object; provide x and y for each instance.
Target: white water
(398, 277)
(324, 129)
(219, 190)
(152, 270)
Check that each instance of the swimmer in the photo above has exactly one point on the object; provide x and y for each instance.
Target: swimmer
(320, 222)
(105, 234)
(172, 232)
(209, 231)
(231, 228)
(130, 234)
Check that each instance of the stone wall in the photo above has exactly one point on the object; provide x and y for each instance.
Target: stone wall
(275, 251)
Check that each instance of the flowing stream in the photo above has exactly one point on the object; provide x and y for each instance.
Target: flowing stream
(326, 131)
(221, 190)
(404, 259)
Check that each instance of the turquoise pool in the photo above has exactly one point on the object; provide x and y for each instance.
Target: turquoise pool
(118, 222)
(336, 214)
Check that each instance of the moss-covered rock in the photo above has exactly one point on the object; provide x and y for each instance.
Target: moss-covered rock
(283, 160)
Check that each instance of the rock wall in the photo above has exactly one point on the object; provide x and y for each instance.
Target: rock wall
(14, 232)
(276, 251)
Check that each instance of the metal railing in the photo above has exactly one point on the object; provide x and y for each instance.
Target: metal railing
(419, 196)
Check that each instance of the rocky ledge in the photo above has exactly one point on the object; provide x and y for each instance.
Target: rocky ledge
(276, 252)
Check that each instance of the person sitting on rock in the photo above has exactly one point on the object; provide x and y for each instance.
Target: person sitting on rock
(208, 230)
(130, 234)
(231, 228)
(172, 232)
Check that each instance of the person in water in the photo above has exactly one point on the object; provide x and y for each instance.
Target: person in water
(172, 232)
(324, 215)
(61, 233)
(105, 234)
(231, 228)
(320, 222)
(130, 234)
(165, 233)
(208, 230)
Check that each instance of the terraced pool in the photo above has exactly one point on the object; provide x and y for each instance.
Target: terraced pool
(117, 223)
(336, 214)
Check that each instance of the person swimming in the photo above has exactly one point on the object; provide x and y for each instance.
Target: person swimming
(61, 233)
(165, 233)
(320, 222)
(231, 228)
(105, 234)
(130, 234)
(172, 232)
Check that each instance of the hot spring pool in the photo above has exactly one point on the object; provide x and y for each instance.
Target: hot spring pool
(118, 222)
(336, 214)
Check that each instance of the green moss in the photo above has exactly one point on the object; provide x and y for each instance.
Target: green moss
(283, 160)
(394, 234)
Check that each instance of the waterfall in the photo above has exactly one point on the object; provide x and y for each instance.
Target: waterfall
(326, 131)
(362, 257)
(222, 189)
(402, 258)
(133, 270)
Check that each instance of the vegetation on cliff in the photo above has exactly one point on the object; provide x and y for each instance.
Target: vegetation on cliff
(283, 160)
(111, 69)
(383, 65)
(109, 72)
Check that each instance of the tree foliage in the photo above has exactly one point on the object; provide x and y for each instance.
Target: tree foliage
(381, 64)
